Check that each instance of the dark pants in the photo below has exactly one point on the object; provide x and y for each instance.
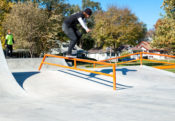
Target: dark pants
(9, 50)
(73, 34)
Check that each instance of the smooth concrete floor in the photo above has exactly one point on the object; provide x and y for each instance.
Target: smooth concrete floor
(143, 94)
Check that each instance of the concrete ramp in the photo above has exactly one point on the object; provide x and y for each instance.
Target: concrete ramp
(63, 83)
(32, 64)
(8, 85)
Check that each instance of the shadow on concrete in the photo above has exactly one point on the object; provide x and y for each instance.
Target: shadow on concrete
(108, 71)
(22, 76)
(92, 76)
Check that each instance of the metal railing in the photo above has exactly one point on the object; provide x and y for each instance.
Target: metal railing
(113, 75)
(170, 65)
(141, 59)
(118, 63)
(113, 65)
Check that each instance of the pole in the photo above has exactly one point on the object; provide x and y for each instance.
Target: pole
(141, 59)
(42, 63)
(114, 77)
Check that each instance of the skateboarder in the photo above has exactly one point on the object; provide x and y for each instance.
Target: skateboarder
(70, 27)
(9, 41)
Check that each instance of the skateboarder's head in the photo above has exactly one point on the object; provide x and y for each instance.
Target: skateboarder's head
(87, 12)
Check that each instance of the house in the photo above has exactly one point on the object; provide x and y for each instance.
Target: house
(103, 54)
(100, 54)
(145, 46)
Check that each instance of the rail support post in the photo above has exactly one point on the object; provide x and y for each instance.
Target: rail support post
(75, 63)
(141, 59)
(94, 65)
(42, 63)
(114, 77)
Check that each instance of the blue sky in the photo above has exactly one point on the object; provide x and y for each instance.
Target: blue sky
(148, 11)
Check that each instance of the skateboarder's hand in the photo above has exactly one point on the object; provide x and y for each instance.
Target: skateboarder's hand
(88, 30)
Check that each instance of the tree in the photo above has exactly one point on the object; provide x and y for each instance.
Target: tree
(4, 9)
(164, 36)
(56, 5)
(29, 24)
(169, 7)
(116, 27)
(73, 9)
(149, 35)
(95, 6)
(55, 9)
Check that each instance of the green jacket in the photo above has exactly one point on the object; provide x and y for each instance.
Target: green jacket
(9, 39)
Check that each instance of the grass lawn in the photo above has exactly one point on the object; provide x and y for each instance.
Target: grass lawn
(171, 70)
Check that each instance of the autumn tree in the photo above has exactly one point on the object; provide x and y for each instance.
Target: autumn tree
(4, 9)
(164, 36)
(117, 26)
(29, 24)
(169, 8)
(56, 10)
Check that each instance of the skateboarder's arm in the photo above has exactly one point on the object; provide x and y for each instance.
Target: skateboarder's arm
(83, 24)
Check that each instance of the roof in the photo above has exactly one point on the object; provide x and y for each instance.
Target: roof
(144, 44)
(147, 46)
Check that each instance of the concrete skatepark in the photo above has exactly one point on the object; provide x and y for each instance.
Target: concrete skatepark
(57, 94)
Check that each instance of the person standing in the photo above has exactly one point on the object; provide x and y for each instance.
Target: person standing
(9, 43)
(70, 27)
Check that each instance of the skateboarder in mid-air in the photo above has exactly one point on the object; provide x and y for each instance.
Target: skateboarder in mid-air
(70, 27)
